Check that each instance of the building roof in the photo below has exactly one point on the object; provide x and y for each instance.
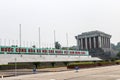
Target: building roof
(94, 33)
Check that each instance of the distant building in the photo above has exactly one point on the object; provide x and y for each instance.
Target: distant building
(97, 42)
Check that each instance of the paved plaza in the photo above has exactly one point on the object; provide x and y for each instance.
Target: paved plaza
(98, 73)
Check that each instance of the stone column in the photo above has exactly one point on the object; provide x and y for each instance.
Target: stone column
(103, 42)
(81, 43)
(109, 46)
(90, 43)
(86, 43)
(99, 41)
(94, 42)
(108, 43)
(77, 43)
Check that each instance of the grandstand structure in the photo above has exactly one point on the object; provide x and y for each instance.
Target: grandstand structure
(11, 54)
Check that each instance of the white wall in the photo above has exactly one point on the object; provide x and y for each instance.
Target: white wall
(7, 58)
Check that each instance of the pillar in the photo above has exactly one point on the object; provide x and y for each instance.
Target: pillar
(90, 43)
(94, 42)
(99, 41)
(86, 43)
(77, 43)
(102, 41)
(105, 42)
(81, 43)
(109, 43)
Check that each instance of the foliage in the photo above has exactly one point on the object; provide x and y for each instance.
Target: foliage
(64, 48)
(70, 48)
(117, 61)
(118, 55)
(80, 63)
(73, 48)
(115, 47)
(34, 46)
(53, 64)
(36, 64)
(57, 45)
(65, 63)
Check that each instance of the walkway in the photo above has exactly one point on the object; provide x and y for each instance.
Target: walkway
(99, 73)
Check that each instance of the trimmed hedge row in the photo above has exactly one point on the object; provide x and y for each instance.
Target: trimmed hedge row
(92, 64)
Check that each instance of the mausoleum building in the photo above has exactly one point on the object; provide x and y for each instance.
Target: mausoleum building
(93, 40)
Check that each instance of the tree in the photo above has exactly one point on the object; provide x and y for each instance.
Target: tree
(118, 44)
(65, 63)
(64, 48)
(53, 64)
(113, 46)
(57, 45)
(116, 47)
(36, 64)
(73, 48)
(70, 48)
(34, 46)
(118, 55)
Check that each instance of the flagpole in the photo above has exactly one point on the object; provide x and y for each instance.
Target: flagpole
(0, 42)
(67, 43)
(67, 40)
(20, 34)
(4, 42)
(20, 37)
(54, 38)
(39, 38)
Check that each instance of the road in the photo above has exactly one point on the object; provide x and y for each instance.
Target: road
(98, 73)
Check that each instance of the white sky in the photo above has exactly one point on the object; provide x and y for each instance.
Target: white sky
(63, 16)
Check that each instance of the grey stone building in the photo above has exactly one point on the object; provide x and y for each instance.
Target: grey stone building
(97, 42)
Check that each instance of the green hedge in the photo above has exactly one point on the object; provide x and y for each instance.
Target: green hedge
(80, 63)
(92, 64)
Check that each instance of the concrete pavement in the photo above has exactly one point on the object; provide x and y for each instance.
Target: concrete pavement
(99, 73)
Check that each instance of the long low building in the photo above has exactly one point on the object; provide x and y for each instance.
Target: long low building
(12, 54)
(11, 58)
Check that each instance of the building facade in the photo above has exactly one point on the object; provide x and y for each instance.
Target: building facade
(94, 40)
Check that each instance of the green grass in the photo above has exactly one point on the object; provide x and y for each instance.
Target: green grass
(117, 61)
(80, 63)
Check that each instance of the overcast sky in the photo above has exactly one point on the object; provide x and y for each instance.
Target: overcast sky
(63, 16)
